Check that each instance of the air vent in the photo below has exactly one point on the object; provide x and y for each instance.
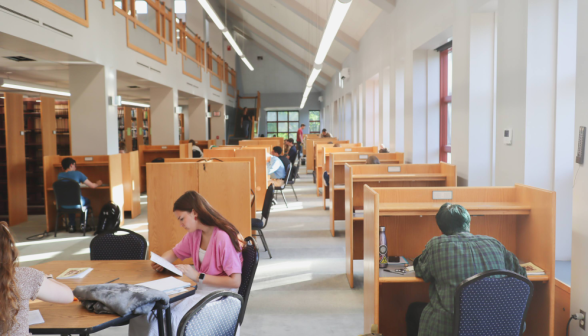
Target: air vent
(20, 59)
(260, 58)
(134, 87)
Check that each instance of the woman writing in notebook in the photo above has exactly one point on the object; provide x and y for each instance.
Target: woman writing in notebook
(213, 243)
(18, 285)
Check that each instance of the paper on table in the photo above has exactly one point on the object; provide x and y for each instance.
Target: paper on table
(165, 284)
(35, 317)
(166, 264)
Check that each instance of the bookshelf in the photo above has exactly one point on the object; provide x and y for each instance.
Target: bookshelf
(13, 175)
(144, 130)
(181, 126)
(62, 127)
(34, 155)
(133, 127)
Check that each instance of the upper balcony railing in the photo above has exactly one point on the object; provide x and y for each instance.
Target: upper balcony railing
(191, 46)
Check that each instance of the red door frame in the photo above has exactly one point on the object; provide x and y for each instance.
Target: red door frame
(444, 99)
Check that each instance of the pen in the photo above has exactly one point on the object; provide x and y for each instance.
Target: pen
(113, 280)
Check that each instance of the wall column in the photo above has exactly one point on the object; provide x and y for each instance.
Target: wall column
(164, 121)
(218, 124)
(94, 124)
(197, 117)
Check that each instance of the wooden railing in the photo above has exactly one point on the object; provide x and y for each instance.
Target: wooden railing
(215, 68)
(231, 80)
(192, 49)
(84, 21)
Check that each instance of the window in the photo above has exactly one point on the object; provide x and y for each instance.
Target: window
(445, 105)
(314, 118)
(283, 124)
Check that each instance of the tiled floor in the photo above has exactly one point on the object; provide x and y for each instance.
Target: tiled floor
(301, 291)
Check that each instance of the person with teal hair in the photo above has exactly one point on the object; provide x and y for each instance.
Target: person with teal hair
(448, 260)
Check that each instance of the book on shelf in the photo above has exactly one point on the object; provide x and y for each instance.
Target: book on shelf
(532, 269)
(75, 273)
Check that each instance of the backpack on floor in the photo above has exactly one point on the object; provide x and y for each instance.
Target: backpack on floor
(109, 219)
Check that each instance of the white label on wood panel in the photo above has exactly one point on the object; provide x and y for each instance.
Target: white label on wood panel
(362, 157)
(442, 195)
(348, 149)
(163, 147)
(394, 169)
(88, 158)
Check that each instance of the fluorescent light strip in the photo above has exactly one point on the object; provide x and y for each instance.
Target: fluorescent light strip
(134, 104)
(313, 75)
(335, 19)
(305, 96)
(233, 43)
(34, 89)
(244, 59)
(217, 21)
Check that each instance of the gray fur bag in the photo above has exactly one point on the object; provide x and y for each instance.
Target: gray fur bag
(120, 299)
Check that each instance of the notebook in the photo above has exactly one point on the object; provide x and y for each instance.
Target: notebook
(75, 273)
(532, 269)
(167, 285)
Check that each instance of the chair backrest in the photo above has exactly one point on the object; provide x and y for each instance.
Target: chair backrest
(286, 179)
(293, 174)
(216, 314)
(267, 202)
(250, 261)
(493, 302)
(119, 245)
(67, 193)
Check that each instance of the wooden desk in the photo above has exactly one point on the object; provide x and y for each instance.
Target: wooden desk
(203, 144)
(306, 138)
(520, 217)
(131, 182)
(219, 152)
(310, 151)
(262, 178)
(335, 166)
(318, 146)
(323, 157)
(107, 168)
(150, 153)
(252, 172)
(76, 318)
(271, 142)
(225, 185)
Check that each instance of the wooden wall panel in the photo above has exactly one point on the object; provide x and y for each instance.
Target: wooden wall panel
(562, 307)
(131, 182)
(48, 126)
(371, 288)
(15, 159)
(261, 178)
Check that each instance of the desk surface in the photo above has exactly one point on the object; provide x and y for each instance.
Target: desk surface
(399, 177)
(474, 208)
(73, 315)
(409, 277)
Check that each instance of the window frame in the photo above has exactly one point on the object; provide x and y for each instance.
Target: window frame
(310, 122)
(444, 101)
(277, 122)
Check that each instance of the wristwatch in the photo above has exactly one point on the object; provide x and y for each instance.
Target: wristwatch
(202, 276)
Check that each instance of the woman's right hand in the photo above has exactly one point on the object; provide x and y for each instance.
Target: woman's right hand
(157, 267)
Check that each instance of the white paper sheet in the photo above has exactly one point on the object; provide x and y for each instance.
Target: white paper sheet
(165, 284)
(35, 317)
(166, 264)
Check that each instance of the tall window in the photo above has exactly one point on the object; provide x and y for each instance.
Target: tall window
(314, 121)
(283, 124)
(445, 106)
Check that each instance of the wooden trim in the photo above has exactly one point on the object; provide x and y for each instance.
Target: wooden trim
(141, 51)
(66, 13)
(103, 6)
(189, 74)
(214, 87)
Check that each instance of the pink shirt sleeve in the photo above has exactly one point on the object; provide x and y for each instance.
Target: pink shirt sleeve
(184, 248)
(231, 260)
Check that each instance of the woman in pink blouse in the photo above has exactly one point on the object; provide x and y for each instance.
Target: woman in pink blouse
(213, 243)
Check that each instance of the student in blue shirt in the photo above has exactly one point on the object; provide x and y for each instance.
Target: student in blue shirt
(70, 172)
(276, 168)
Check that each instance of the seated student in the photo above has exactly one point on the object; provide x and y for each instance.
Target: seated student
(122, 147)
(448, 260)
(372, 159)
(21, 284)
(383, 149)
(215, 246)
(277, 166)
(70, 172)
(292, 151)
(196, 151)
(325, 134)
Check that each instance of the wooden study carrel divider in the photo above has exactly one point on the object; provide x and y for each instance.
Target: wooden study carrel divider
(225, 185)
(107, 168)
(149, 153)
(310, 151)
(132, 183)
(324, 155)
(382, 175)
(522, 218)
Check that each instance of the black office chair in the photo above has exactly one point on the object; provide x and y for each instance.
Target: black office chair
(283, 186)
(119, 245)
(258, 224)
(68, 200)
(292, 180)
(250, 260)
(217, 314)
(493, 302)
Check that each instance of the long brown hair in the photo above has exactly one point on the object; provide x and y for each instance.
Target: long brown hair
(9, 297)
(208, 216)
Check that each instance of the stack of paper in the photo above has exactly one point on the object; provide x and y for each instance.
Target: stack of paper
(169, 285)
(75, 273)
(532, 269)
(35, 317)
(166, 264)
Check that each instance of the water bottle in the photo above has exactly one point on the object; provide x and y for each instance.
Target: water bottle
(383, 248)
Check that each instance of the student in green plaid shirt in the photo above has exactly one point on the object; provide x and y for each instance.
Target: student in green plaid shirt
(448, 260)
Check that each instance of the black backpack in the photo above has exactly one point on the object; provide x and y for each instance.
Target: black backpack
(109, 219)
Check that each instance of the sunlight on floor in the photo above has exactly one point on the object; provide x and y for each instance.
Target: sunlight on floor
(51, 241)
(39, 256)
(261, 284)
(83, 251)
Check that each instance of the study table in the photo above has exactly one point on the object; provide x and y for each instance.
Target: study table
(324, 155)
(73, 318)
(522, 218)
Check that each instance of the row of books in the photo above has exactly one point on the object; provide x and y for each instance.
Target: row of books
(62, 124)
